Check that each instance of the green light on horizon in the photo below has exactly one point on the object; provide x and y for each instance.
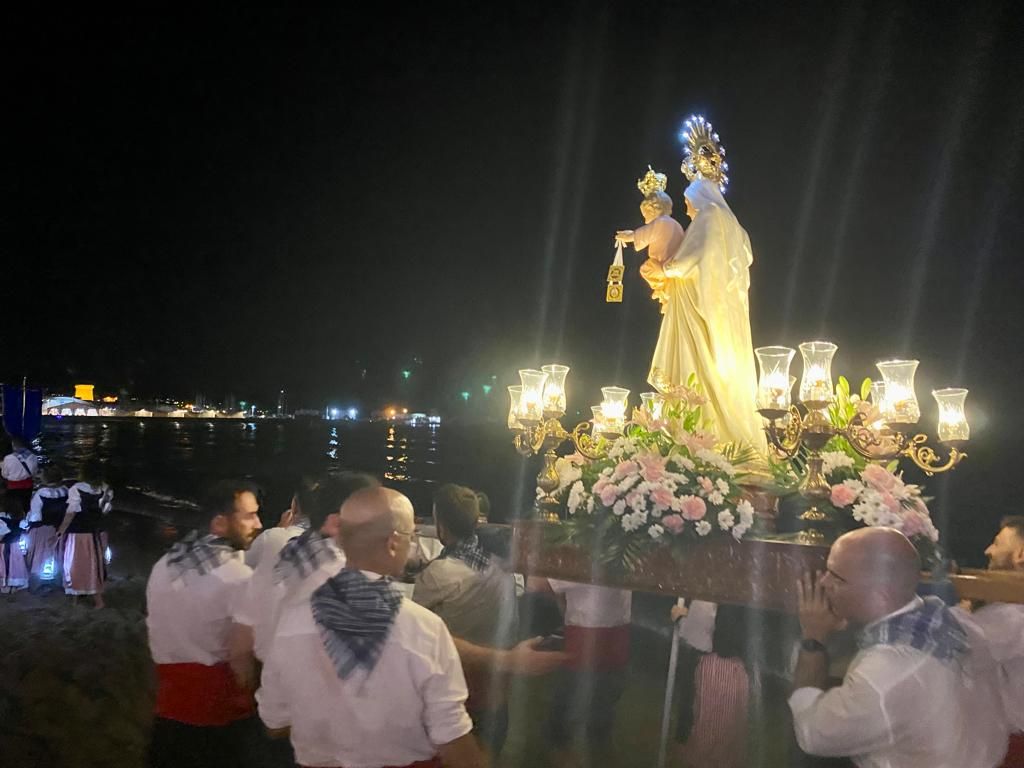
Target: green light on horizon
(406, 373)
(465, 395)
(487, 389)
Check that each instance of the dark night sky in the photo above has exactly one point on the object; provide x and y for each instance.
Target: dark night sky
(243, 200)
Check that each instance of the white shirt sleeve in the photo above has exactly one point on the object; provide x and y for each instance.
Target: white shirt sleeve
(444, 693)
(107, 501)
(271, 698)
(35, 508)
(857, 717)
(74, 500)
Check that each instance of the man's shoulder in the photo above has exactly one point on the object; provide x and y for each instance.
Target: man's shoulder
(414, 620)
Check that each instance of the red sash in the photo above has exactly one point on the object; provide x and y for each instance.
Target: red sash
(600, 648)
(1015, 755)
(197, 694)
(434, 762)
(19, 485)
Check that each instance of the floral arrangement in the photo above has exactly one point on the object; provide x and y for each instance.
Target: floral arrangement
(663, 483)
(866, 493)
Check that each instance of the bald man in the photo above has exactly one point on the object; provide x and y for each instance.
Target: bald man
(906, 699)
(360, 675)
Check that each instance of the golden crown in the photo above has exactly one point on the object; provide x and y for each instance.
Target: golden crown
(652, 182)
(703, 153)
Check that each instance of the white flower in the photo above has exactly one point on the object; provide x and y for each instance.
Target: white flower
(726, 520)
(715, 497)
(833, 460)
(722, 485)
(716, 459)
(590, 504)
(738, 531)
(639, 503)
(619, 507)
(655, 531)
(577, 496)
(568, 473)
(854, 485)
(703, 528)
(746, 511)
(633, 521)
(628, 482)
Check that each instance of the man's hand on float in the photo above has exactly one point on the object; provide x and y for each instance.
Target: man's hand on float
(817, 621)
(525, 659)
(624, 235)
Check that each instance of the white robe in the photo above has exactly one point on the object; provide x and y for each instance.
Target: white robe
(706, 326)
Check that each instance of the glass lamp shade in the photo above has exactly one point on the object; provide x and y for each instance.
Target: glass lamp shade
(877, 393)
(600, 427)
(774, 383)
(554, 389)
(515, 394)
(614, 407)
(953, 424)
(652, 403)
(532, 397)
(899, 406)
(816, 383)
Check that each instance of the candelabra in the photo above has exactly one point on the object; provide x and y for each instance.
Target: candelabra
(537, 405)
(790, 428)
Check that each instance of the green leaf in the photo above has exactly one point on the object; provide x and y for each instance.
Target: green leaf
(865, 389)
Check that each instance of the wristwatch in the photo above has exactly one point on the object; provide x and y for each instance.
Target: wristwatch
(813, 646)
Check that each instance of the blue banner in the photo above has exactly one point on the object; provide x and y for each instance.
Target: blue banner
(23, 411)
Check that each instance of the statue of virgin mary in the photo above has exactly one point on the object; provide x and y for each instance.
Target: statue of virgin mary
(705, 328)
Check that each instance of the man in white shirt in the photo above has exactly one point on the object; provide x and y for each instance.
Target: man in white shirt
(476, 597)
(1003, 626)
(597, 629)
(18, 470)
(361, 676)
(907, 699)
(304, 548)
(203, 717)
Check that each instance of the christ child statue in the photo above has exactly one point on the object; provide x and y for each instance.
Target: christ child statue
(661, 234)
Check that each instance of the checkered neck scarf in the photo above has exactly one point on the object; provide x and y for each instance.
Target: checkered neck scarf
(468, 551)
(931, 627)
(199, 554)
(303, 555)
(354, 615)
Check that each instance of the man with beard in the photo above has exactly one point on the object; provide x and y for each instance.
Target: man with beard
(203, 717)
(1003, 625)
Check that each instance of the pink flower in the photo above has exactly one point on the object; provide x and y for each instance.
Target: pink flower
(674, 524)
(891, 503)
(662, 497)
(652, 466)
(705, 484)
(879, 477)
(843, 495)
(623, 469)
(692, 507)
(608, 495)
(913, 524)
(600, 484)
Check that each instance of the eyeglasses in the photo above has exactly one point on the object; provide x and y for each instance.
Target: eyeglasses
(836, 576)
(411, 534)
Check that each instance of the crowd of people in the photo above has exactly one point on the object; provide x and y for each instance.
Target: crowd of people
(51, 532)
(346, 636)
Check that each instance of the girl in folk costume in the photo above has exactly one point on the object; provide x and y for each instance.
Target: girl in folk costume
(13, 570)
(89, 501)
(45, 514)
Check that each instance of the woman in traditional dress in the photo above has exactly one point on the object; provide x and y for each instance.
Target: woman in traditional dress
(13, 570)
(45, 514)
(89, 501)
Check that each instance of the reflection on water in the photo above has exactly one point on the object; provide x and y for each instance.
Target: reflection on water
(172, 461)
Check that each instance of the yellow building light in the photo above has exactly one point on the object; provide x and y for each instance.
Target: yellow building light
(84, 391)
